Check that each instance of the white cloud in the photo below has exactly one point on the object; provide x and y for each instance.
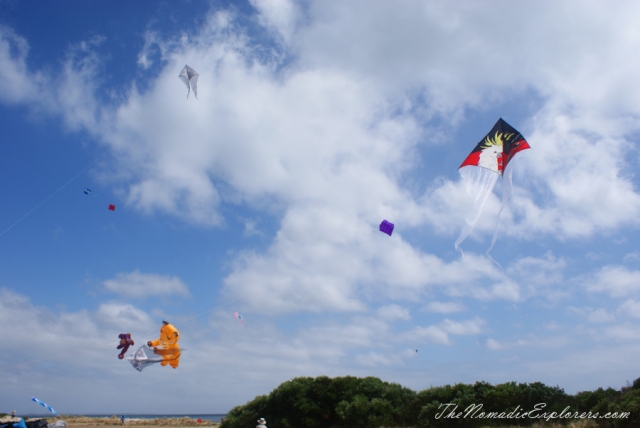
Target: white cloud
(617, 281)
(123, 316)
(69, 93)
(493, 345)
(632, 257)
(474, 326)
(626, 333)
(393, 312)
(444, 307)
(539, 273)
(585, 180)
(151, 40)
(140, 285)
(17, 82)
(439, 333)
(284, 279)
(631, 308)
(61, 334)
(251, 228)
(280, 15)
(532, 341)
(373, 359)
(600, 315)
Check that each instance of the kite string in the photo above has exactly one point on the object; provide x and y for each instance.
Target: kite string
(51, 196)
(37, 361)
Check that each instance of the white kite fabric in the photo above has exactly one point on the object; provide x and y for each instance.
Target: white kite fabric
(144, 357)
(190, 78)
(480, 183)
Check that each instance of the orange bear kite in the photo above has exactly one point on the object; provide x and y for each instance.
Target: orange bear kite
(167, 345)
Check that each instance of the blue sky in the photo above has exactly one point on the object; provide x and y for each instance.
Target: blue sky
(314, 121)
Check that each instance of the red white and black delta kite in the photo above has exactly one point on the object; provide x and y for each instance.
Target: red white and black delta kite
(481, 169)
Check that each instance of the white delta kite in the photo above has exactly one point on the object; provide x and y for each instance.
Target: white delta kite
(190, 78)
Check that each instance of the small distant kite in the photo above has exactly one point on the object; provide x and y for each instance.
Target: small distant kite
(239, 318)
(482, 168)
(44, 405)
(125, 342)
(87, 191)
(112, 207)
(190, 78)
(386, 227)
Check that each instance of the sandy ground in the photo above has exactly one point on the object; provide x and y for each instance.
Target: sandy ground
(146, 424)
(86, 422)
(81, 422)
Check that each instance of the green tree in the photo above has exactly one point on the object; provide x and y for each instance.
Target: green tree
(447, 406)
(588, 400)
(349, 401)
(248, 414)
(629, 402)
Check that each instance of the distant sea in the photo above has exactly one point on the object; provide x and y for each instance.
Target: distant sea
(208, 417)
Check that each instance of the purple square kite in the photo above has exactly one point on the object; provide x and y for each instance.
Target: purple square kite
(386, 227)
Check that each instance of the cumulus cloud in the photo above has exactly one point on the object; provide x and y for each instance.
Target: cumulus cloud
(439, 333)
(141, 285)
(531, 341)
(617, 281)
(18, 83)
(49, 335)
(151, 40)
(282, 16)
(624, 333)
(393, 312)
(632, 257)
(123, 316)
(373, 359)
(493, 345)
(630, 307)
(444, 307)
(600, 315)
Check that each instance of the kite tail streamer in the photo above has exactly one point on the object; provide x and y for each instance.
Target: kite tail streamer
(507, 190)
(480, 183)
(194, 83)
(45, 405)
